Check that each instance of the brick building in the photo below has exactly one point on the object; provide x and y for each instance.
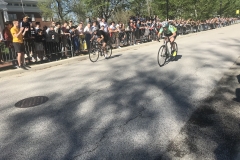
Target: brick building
(16, 9)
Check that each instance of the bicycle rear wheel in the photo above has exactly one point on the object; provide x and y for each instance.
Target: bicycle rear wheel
(93, 54)
(162, 55)
(109, 50)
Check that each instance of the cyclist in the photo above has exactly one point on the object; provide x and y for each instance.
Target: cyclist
(102, 37)
(169, 31)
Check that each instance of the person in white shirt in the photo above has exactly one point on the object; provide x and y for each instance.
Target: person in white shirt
(103, 23)
(94, 26)
(114, 34)
(88, 34)
(80, 31)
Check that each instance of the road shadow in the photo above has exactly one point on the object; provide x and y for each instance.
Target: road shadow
(178, 57)
(213, 129)
(237, 99)
(128, 116)
(238, 78)
(115, 56)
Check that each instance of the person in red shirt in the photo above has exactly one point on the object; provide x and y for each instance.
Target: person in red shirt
(7, 37)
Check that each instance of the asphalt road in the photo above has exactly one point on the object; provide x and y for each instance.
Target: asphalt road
(126, 107)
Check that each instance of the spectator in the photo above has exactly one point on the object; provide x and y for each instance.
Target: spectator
(114, 34)
(121, 31)
(27, 36)
(138, 29)
(80, 30)
(1, 44)
(18, 42)
(37, 26)
(70, 24)
(88, 34)
(104, 23)
(94, 26)
(39, 39)
(59, 32)
(65, 38)
(7, 36)
(53, 43)
(32, 37)
(25, 24)
(75, 41)
(52, 25)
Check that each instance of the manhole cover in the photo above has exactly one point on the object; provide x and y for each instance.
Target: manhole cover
(31, 102)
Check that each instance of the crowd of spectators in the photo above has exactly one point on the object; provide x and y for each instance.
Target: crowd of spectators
(62, 40)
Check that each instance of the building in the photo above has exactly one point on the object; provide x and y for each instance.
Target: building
(16, 9)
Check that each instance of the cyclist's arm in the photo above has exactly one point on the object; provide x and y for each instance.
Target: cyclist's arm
(174, 32)
(100, 38)
(160, 32)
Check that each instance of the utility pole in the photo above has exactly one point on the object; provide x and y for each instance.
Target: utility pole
(220, 8)
(167, 9)
(148, 7)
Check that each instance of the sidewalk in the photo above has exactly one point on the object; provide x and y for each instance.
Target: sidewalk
(213, 131)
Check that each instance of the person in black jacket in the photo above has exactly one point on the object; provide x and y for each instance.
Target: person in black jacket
(39, 49)
(27, 37)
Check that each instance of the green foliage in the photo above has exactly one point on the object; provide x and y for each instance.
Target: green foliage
(195, 9)
(46, 8)
(139, 7)
(58, 8)
(79, 9)
(103, 8)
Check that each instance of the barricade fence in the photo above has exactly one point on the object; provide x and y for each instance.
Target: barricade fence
(56, 47)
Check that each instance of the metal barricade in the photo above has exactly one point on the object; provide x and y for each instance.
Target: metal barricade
(7, 52)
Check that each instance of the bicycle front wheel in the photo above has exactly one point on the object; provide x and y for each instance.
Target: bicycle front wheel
(162, 55)
(93, 54)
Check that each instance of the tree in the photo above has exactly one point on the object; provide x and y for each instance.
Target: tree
(103, 8)
(139, 7)
(79, 9)
(55, 8)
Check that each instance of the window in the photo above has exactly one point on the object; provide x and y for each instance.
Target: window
(16, 4)
(28, 5)
(34, 5)
(10, 4)
(12, 17)
(33, 18)
(46, 19)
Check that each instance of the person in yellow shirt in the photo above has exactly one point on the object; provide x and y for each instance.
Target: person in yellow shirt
(18, 34)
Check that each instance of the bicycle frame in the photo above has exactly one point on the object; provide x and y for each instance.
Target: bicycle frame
(165, 41)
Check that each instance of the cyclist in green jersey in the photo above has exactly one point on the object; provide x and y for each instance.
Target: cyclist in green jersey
(169, 31)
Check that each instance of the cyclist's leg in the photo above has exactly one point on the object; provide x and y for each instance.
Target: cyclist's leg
(172, 40)
(104, 48)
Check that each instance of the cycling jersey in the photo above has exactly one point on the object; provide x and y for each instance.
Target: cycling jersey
(171, 29)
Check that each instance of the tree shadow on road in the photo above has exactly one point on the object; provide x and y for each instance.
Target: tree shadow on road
(133, 115)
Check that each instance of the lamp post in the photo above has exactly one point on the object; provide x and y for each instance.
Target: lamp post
(167, 9)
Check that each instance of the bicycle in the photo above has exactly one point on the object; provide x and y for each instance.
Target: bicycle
(163, 53)
(96, 49)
